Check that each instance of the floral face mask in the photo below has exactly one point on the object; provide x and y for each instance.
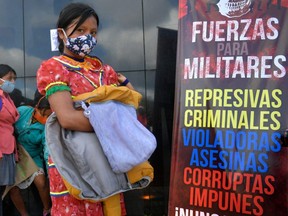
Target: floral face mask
(81, 45)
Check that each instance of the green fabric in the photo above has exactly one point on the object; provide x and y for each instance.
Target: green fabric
(57, 88)
(31, 136)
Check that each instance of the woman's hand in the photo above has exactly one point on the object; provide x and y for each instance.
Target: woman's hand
(122, 79)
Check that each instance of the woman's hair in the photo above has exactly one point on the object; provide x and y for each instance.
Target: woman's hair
(70, 13)
(5, 69)
(40, 101)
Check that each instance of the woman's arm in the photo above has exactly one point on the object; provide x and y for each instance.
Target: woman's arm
(68, 117)
(122, 78)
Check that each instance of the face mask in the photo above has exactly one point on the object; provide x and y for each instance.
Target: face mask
(81, 45)
(7, 86)
(37, 115)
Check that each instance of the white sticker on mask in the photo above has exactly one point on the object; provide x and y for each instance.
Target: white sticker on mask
(54, 39)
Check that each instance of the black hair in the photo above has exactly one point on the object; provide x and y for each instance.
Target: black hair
(5, 69)
(20, 100)
(71, 12)
(41, 101)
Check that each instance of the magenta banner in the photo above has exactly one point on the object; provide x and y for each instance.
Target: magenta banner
(230, 149)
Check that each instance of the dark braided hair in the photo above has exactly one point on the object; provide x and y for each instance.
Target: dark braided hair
(41, 101)
(70, 13)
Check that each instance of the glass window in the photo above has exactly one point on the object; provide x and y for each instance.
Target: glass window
(120, 37)
(160, 13)
(11, 35)
(39, 18)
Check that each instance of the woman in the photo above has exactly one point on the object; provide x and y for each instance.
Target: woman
(72, 73)
(8, 116)
(30, 133)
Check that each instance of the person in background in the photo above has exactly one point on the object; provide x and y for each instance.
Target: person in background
(8, 116)
(61, 78)
(19, 99)
(30, 133)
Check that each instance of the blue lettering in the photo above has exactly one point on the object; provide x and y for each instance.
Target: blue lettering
(213, 158)
(186, 137)
(200, 138)
(263, 158)
(230, 139)
(277, 145)
(264, 142)
(239, 160)
(222, 156)
(241, 140)
(252, 140)
(194, 160)
(208, 144)
(251, 163)
(218, 139)
(204, 154)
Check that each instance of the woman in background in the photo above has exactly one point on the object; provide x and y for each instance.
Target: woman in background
(30, 133)
(8, 116)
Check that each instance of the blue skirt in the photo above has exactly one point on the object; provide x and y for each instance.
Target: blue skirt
(7, 169)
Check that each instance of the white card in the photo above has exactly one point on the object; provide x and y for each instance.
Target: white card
(54, 39)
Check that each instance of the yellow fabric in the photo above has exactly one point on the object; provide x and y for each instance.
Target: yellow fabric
(72, 190)
(137, 172)
(112, 206)
(105, 93)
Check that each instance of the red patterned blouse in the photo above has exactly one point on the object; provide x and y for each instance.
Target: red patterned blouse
(78, 76)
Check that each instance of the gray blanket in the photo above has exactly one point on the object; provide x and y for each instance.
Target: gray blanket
(80, 160)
